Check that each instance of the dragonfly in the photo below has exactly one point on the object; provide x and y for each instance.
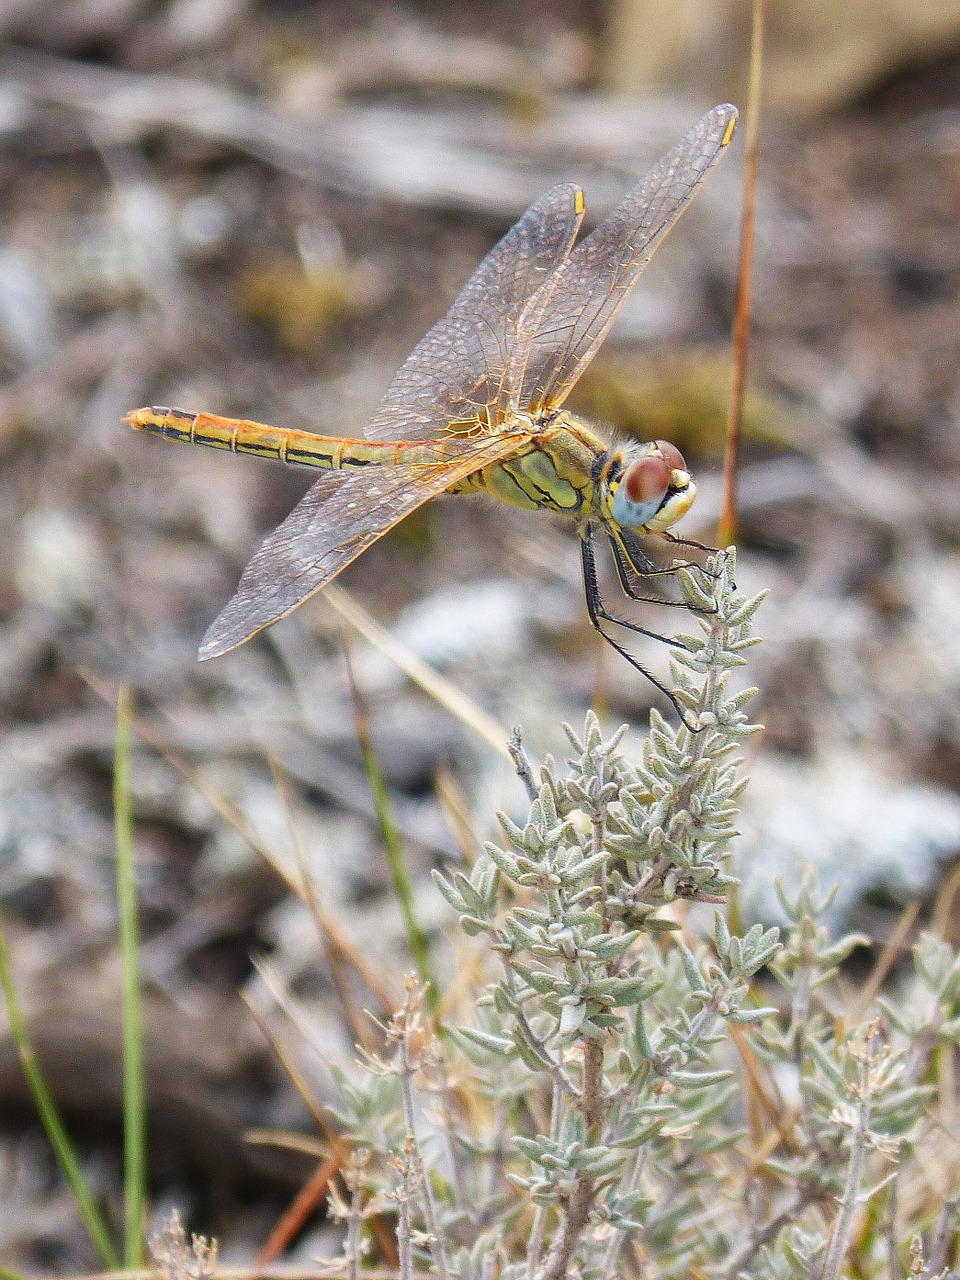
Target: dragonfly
(477, 407)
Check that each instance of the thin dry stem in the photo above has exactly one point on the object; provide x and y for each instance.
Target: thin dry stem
(411, 1024)
(856, 1165)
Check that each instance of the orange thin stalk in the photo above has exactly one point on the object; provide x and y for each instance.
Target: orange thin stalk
(727, 528)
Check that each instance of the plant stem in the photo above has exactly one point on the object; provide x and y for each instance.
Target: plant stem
(947, 1224)
(761, 1235)
(535, 1247)
(429, 1208)
(404, 1248)
(550, 1063)
(521, 762)
(354, 1223)
(631, 1185)
(855, 1167)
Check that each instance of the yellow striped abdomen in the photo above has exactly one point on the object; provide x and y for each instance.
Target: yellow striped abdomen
(299, 448)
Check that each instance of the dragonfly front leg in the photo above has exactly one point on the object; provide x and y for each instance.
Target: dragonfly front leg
(599, 615)
(688, 542)
(634, 555)
(633, 564)
(699, 546)
(627, 569)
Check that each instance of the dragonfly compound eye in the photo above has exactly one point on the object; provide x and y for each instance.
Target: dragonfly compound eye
(671, 455)
(641, 490)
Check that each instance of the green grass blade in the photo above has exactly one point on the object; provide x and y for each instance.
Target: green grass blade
(50, 1117)
(416, 937)
(134, 1091)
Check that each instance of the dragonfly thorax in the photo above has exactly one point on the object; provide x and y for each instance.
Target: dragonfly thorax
(652, 489)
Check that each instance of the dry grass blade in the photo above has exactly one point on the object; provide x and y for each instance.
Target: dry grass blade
(440, 689)
(892, 950)
(296, 1078)
(310, 1195)
(225, 807)
(336, 948)
(456, 810)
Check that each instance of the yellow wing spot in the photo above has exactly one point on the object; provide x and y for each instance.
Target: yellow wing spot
(728, 132)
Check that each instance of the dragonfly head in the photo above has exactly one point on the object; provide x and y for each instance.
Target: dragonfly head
(654, 488)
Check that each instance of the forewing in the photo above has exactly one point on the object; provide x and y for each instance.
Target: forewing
(337, 519)
(569, 319)
(456, 371)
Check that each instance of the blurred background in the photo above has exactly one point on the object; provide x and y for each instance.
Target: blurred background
(257, 209)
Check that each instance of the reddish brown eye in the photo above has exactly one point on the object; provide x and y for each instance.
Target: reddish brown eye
(648, 479)
(671, 455)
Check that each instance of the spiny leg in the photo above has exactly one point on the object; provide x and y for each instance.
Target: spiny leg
(626, 566)
(630, 544)
(689, 542)
(600, 611)
(598, 615)
(698, 546)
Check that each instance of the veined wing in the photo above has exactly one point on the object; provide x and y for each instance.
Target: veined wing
(562, 327)
(337, 519)
(456, 371)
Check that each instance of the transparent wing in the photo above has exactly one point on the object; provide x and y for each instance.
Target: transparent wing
(561, 327)
(337, 519)
(456, 371)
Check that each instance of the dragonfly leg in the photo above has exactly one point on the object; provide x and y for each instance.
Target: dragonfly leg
(688, 542)
(699, 546)
(633, 554)
(627, 570)
(599, 615)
